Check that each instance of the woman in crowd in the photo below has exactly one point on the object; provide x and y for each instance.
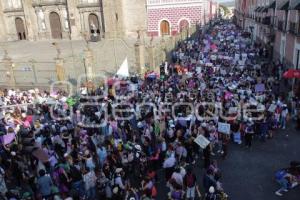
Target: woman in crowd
(88, 148)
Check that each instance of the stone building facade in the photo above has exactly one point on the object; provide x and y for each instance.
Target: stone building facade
(70, 19)
(169, 17)
(36, 20)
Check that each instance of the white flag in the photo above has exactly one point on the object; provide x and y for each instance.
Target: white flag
(123, 70)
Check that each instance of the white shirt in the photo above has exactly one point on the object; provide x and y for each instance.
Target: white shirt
(89, 180)
(178, 178)
(169, 162)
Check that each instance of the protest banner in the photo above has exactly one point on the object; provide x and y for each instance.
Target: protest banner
(260, 87)
(224, 128)
(202, 141)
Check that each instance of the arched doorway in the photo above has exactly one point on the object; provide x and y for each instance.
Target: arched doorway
(183, 24)
(55, 25)
(94, 27)
(164, 28)
(21, 32)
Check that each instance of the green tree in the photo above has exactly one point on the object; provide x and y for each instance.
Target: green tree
(225, 9)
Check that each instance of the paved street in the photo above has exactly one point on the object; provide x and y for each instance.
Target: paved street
(249, 174)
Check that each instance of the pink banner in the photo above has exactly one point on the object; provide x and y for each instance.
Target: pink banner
(8, 138)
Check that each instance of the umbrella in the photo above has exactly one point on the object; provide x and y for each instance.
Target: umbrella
(111, 81)
(292, 73)
(41, 155)
(151, 75)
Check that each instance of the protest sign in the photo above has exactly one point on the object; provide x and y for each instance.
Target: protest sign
(233, 110)
(213, 57)
(260, 87)
(8, 138)
(224, 128)
(202, 141)
(223, 72)
(272, 108)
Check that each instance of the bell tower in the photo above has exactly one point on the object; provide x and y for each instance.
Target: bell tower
(113, 18)
(124, 18)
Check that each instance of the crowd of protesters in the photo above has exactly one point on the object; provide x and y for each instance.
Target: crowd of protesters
(86, 147)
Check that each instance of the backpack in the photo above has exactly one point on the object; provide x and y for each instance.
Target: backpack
(280, 174)
(190, 180)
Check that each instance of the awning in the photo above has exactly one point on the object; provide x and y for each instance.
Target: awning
(273, 5)
(258, 8)
(284, 6)
(263, 9)
(295, 6)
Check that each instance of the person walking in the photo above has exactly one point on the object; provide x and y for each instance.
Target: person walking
(249, 134)
(190, 185)
(90, 180)
(44, 184)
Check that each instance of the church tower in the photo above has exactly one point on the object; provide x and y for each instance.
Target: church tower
(124, 18)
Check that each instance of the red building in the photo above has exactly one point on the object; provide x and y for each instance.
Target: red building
(169, 17)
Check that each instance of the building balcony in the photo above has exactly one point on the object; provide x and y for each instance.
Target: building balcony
(13, 9)
(266, 21)
(294, 29)
(281, 26)
(163, 2)
(48, 2)
(88, 3)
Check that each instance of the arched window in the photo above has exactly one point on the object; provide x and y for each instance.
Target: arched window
(164, 28)
(94, 24)
(94, 27)
(55, 25)
(20, 28)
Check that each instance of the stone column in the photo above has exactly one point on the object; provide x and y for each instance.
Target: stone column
(64, 26)
(9, 66)
(60, 71)
(89, 63)
(139, 49)
(163, 49)
(151, 52)
(34, 71)
(47, 23)
(59, 64)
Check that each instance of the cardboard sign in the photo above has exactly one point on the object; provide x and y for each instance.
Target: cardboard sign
(233, 110)
(260, 87)
(224, 128)
(223, 72)
(213, 57)
(202, 141)
(272, 108)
